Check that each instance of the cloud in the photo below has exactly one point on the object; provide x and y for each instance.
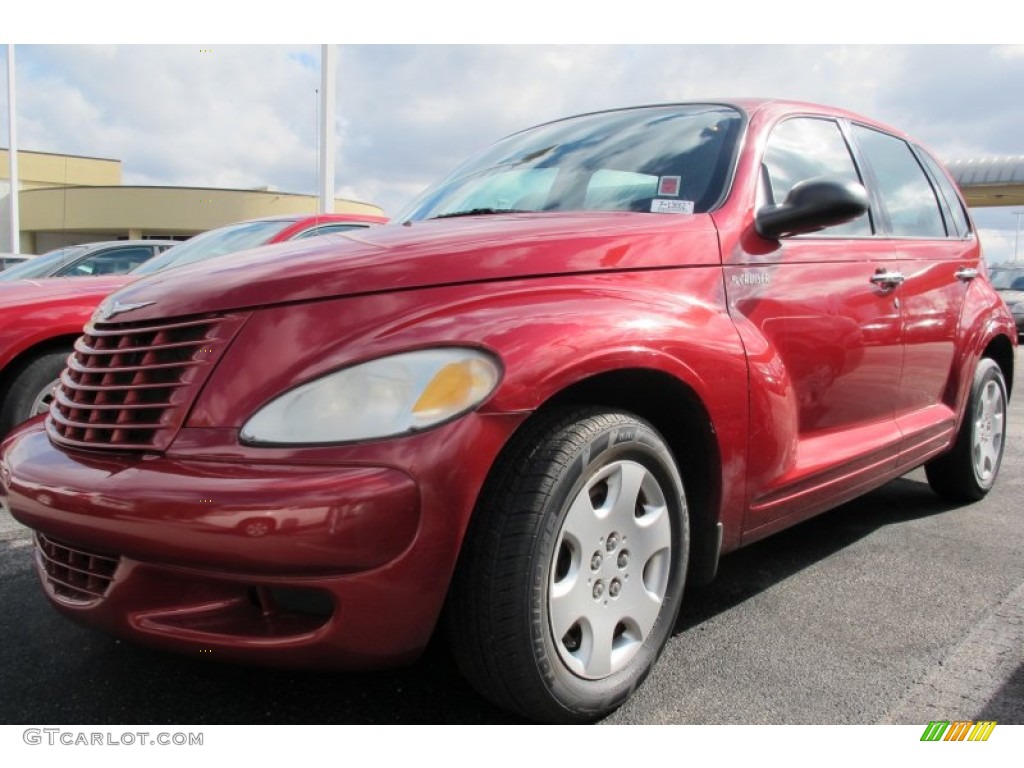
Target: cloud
(246, 115)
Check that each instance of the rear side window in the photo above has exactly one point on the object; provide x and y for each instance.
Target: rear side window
(906, 193)
(806, 148)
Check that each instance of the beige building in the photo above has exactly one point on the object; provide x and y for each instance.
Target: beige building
(66, 199)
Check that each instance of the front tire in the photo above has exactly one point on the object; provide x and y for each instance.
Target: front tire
(969, 470)
(31, 389)
(573, 568)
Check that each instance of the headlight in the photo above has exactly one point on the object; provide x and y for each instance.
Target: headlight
(382, 398)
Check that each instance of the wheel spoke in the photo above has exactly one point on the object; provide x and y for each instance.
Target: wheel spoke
(584, 523)
(571, 600)
(640, 605)
(989, 456)
(626, 488)
(649, 534)
(998, 425)
(990, 398)
(599, 660)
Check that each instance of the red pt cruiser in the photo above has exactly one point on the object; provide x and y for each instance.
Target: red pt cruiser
(596, 357)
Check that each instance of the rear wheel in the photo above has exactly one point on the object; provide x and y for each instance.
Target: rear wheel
(32, 389)
(573, 568)
(969, 470)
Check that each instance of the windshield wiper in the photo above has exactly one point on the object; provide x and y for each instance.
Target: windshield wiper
(480, 212)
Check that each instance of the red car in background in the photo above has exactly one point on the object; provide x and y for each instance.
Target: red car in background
(596, 357)
(40, 319)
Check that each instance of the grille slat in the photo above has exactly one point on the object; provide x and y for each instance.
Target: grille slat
(81, 346)
(129, 386)
(65, 422)
(102, 406)
(73, 573)
(93, 369)
(118, 330)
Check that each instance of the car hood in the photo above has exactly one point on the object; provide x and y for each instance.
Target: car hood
(19, 293)
(425, 254)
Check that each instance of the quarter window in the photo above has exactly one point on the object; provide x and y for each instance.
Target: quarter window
(904, 188)
(808, 148)
(959, 226)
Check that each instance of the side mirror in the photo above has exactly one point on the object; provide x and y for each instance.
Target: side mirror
(812, 205)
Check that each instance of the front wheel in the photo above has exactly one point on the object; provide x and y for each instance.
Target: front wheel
(572, 571)
(969, 470)
(32, 389)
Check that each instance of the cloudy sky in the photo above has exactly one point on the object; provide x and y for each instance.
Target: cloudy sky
(235, 115)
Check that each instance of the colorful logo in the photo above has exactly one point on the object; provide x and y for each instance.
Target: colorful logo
(958, 730)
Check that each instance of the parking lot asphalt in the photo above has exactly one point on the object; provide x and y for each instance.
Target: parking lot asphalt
(895, 608)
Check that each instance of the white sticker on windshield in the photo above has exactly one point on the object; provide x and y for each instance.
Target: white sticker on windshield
(671, 206)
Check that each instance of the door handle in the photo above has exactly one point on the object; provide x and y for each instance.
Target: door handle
(887, 279)
(966, 273)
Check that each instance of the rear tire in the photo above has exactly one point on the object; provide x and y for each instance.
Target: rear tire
(969, 470)
(31, 389)
(573, 567)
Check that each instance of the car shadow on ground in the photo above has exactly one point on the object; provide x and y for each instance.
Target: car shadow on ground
(1007, 704)
(52, 670)
(755, 568)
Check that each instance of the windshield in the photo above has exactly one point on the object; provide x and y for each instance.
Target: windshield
(654, 159)
(1008, 279)
(216, 242)
(42, 266)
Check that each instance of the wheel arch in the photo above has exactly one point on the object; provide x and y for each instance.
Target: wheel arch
(678, 413)
(1000, 349)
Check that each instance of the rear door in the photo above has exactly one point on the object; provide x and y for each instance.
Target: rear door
(937, 256)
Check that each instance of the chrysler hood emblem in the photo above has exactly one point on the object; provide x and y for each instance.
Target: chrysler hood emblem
(110, 308)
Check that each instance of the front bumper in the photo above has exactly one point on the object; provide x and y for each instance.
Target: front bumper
(283, 564)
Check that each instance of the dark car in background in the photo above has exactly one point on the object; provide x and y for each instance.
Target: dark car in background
(1009, 281)
(115, 257)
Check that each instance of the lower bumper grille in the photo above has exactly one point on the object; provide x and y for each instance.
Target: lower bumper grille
(74, 574)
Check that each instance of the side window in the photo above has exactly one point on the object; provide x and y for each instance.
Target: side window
(960, 226)
(904, 188)
(805, 148)
(113, 262)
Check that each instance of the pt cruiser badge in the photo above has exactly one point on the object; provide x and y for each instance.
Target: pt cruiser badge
(113, 307)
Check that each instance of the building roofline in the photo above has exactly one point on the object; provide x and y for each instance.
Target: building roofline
(64, 154)
(250, 191)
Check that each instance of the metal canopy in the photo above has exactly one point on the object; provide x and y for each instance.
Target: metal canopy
(990, 181)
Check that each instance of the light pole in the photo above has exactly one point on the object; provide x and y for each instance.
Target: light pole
(327, 77)
(12, 152)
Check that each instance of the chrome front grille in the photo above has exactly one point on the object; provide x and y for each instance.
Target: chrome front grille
(130, 385)
(72, 573)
